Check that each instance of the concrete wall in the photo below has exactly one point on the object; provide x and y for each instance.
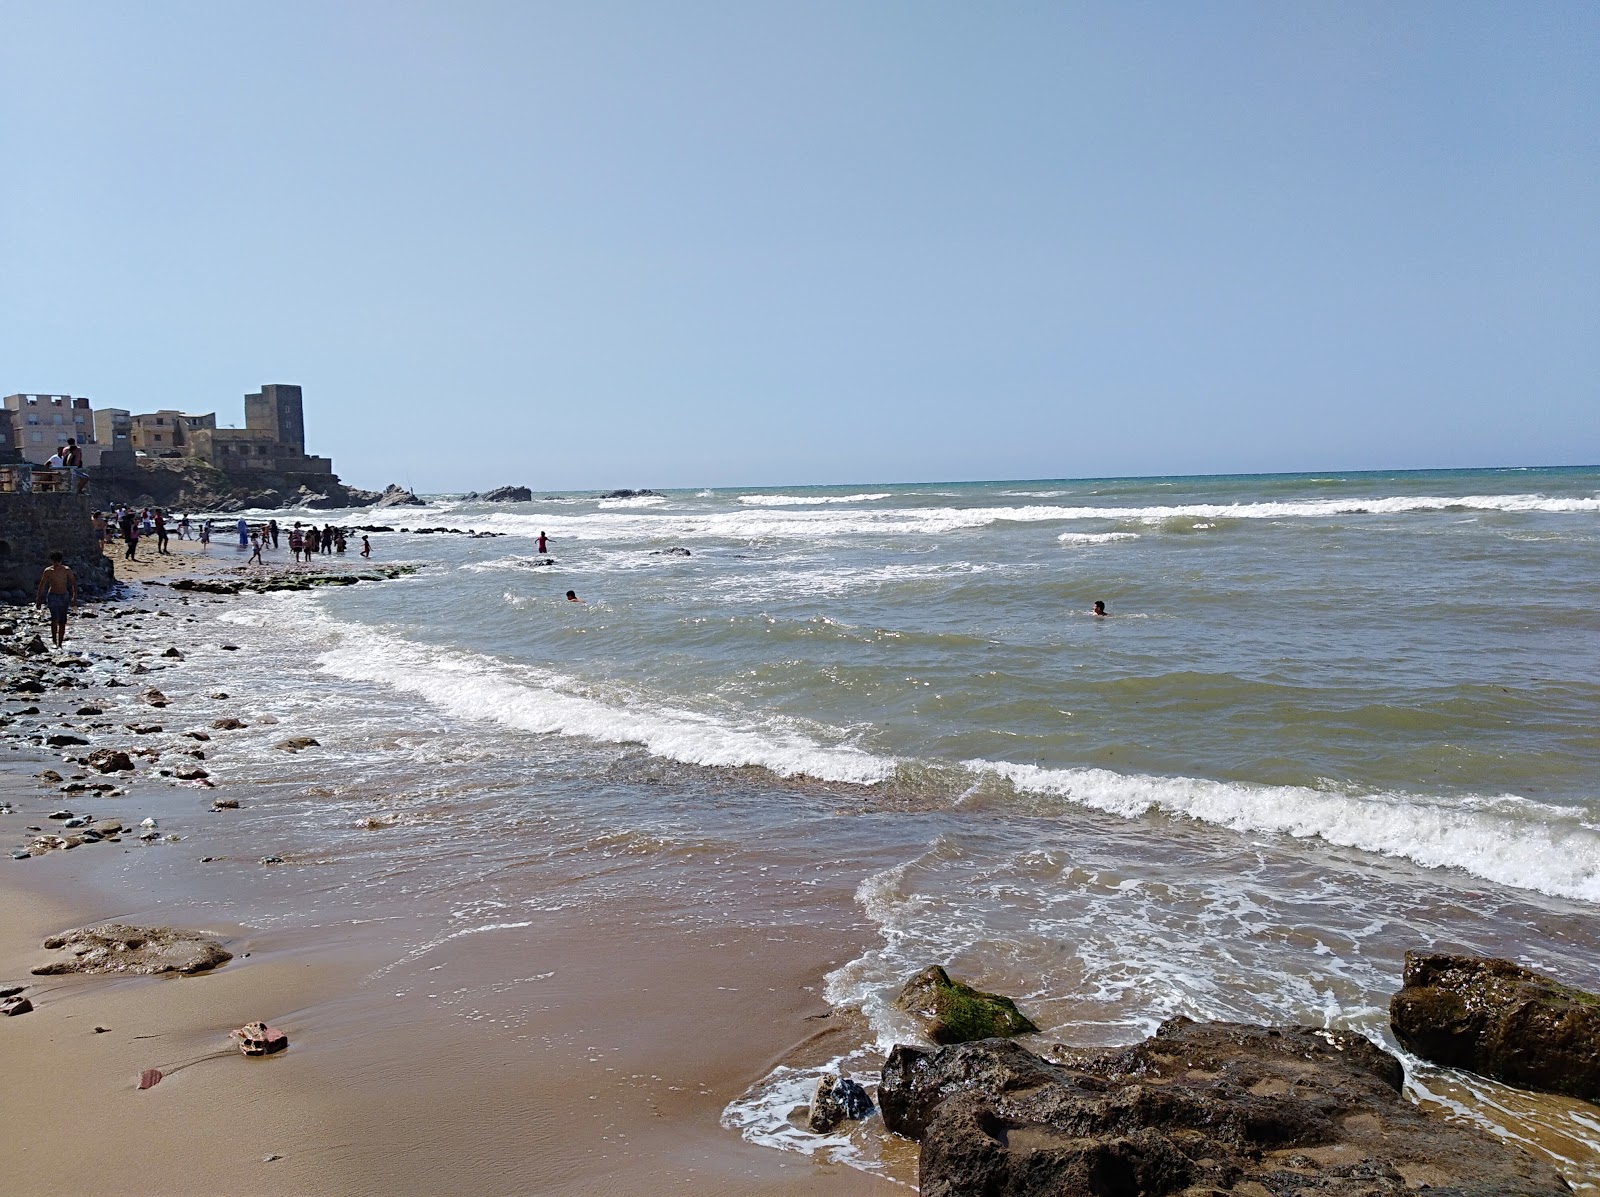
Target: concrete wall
(32, 527)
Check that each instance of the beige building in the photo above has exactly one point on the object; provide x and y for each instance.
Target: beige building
(37, 426)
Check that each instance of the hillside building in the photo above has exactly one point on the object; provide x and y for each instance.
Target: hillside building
(35, 426)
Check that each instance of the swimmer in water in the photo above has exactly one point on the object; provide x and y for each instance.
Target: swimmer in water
(1100, 607)
(572, 597)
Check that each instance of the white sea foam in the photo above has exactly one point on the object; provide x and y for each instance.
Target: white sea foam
(1507, 839)
(1089, 538)
(806, 500)
(634, 501)
(797, 518)
(472, 686)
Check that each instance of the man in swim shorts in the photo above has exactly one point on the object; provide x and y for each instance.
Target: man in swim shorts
(58, 589)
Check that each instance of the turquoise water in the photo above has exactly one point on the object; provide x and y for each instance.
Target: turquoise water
(1329, 718)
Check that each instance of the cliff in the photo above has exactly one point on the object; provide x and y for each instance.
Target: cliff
(185, 484)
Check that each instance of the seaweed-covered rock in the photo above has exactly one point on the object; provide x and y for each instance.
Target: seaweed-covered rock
(119, 948)
(1502, 1020)
(954, 1012)
(1197, 1108)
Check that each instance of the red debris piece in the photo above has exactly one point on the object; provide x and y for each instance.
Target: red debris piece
(148, 1077)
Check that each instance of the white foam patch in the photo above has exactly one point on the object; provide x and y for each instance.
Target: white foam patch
(806, 500)
(634, 501)
(804, 519)
(477, 687)
(1508, 839)
(1091, 538)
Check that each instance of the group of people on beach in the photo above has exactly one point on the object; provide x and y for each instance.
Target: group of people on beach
(131, 524)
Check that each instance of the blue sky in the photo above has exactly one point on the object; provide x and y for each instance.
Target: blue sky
(697, 244)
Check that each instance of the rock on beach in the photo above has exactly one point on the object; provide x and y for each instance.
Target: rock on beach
(119, 948)
(1198, 1108)
(1499, 1019)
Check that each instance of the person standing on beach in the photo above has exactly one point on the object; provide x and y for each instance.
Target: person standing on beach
(313, 538)
(243, 529)
(130, 536)
(544, 544)
(296, 542)
(366, 547)
(256, 541)
(161, 533)
(327, 538)
(58, 588)
(183, 526)
(272, 527)
(205, 535)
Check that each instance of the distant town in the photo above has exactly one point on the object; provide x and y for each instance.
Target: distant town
(33, 428)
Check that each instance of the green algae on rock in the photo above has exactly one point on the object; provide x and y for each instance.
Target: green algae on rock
(954, 1012)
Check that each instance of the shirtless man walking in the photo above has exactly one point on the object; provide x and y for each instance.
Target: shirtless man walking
(58, 587)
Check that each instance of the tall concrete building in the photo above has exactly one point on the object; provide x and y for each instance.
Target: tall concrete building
(276, 409)
(40, 425)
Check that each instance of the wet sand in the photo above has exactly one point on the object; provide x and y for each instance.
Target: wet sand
(641, 1033)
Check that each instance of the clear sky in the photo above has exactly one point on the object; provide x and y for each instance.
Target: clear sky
(589, 244)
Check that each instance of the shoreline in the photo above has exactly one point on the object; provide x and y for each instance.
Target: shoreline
(638, 1032)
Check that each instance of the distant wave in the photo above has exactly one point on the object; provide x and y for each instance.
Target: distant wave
(795, 517)
(1508, 839)
(805, 500)
(634, 501)
(1088, 538)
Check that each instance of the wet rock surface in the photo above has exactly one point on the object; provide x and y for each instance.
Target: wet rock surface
(836, 1100)
(1502, 1020)
(955, 1012)
(119, 948)
(1197, 1109)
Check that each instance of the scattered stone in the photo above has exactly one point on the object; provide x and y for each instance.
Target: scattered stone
(172, 652)
(64, 740)
(11, 1007)
(20, 854)
(154, 697)
(271, 860)
(835, 1100)
(258, 1039)
(102, 1030)
(1197, 1108)
(109, 760)
(10, 990)
(230, 648)
(142, 729)
(59, 814)
(296, 743)
(224, 804)
(50, 777)
(198, 735)
(190, 773)
(90, 710)
(118, 948)
(228, 723)
(219, 695)
(1502, 1020)
(76, 821)
(35, 647)
(673, 552)
(953, 1012)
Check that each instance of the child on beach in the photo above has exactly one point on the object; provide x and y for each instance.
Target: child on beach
(205, 536)
(366, 547)
(297, 541)
(256, 542)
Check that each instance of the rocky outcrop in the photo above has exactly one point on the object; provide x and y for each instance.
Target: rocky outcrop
(954, 1012)
(1502, 1020)
(1198, 1108)
(398, 496)
(188, 484)
(505, 494)
(118, 948)
(629, 494)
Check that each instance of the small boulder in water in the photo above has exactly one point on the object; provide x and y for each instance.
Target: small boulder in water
(1499, 1019)
(954, 1012)
(835, 1100)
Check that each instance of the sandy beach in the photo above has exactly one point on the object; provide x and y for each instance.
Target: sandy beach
(642, 1033)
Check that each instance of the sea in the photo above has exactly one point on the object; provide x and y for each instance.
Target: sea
(1326, 719)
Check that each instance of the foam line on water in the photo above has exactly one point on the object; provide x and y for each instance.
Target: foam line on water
(1506, 839)
(818, 523)
(477, 687)
(807, 500)
(1092, 538)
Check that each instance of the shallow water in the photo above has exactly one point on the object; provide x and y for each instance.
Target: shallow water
(1329, 719)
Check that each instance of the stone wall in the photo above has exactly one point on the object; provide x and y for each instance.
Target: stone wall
(32, 526)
